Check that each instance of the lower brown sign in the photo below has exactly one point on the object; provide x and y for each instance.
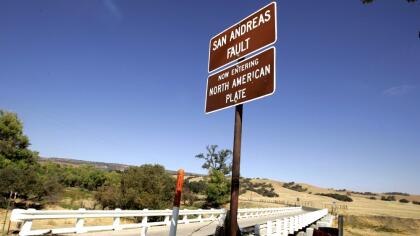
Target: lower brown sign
(246, 81)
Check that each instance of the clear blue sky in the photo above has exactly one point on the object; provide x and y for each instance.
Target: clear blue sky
(124, 81)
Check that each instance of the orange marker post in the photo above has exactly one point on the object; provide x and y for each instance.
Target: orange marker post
(177, 202)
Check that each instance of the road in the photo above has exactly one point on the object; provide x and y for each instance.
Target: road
(192, 229)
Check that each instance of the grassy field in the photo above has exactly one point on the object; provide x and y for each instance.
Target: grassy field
(363, 216)
(361, 204)
(381, 225)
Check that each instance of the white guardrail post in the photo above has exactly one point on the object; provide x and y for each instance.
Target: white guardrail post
(222, 217)
(185, 219)
(199, 218)
(80, 222)
(269, 228)
(278, 226)
(117, 221)
(144, 223)
(286, 226)
(167, 219)
(27, 224)
(293, 224)
(211, 215)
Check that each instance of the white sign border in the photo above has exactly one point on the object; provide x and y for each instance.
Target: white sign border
(237, 23)
(275, 79)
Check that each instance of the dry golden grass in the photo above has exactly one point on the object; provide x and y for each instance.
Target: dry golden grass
(364, 217)
(361, 205)
(381, 225)
(48, 224)
(2, 215)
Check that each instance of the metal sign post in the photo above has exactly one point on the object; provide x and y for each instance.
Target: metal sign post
(234, 190)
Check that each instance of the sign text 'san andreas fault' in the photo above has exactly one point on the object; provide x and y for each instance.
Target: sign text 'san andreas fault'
(252, 33)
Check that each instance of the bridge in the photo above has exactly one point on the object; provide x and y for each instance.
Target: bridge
(259, 221)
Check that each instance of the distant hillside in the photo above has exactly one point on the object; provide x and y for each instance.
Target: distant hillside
(101, 165)
(74, 162)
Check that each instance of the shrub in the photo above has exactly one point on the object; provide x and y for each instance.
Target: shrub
(372, 198)
(264, 189)
(403, 200)
(218, 190)
(31, 183)
(336, 196)
(294, 186)
(388, 198)
(364, 193)
(191, 189)
(416, 202)
(198, 187)
(188, 198)
(146, 186)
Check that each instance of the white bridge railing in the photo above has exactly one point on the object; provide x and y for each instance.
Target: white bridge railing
(26, 217)
(290, 225)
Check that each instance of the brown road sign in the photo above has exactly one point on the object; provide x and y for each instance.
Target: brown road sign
(246, 81)
(250, 34)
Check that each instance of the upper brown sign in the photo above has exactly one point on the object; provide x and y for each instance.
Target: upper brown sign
(252, 33)
(248, 80)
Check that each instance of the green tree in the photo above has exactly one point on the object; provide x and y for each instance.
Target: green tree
(13, 143)
(218, 190)
(19, 169)
(85, 176)
(146, 186)
(216, 160)
(20, 178)
(219, 164)
(108, 195)
(91, 177)
(112, 178)
(197, 186)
